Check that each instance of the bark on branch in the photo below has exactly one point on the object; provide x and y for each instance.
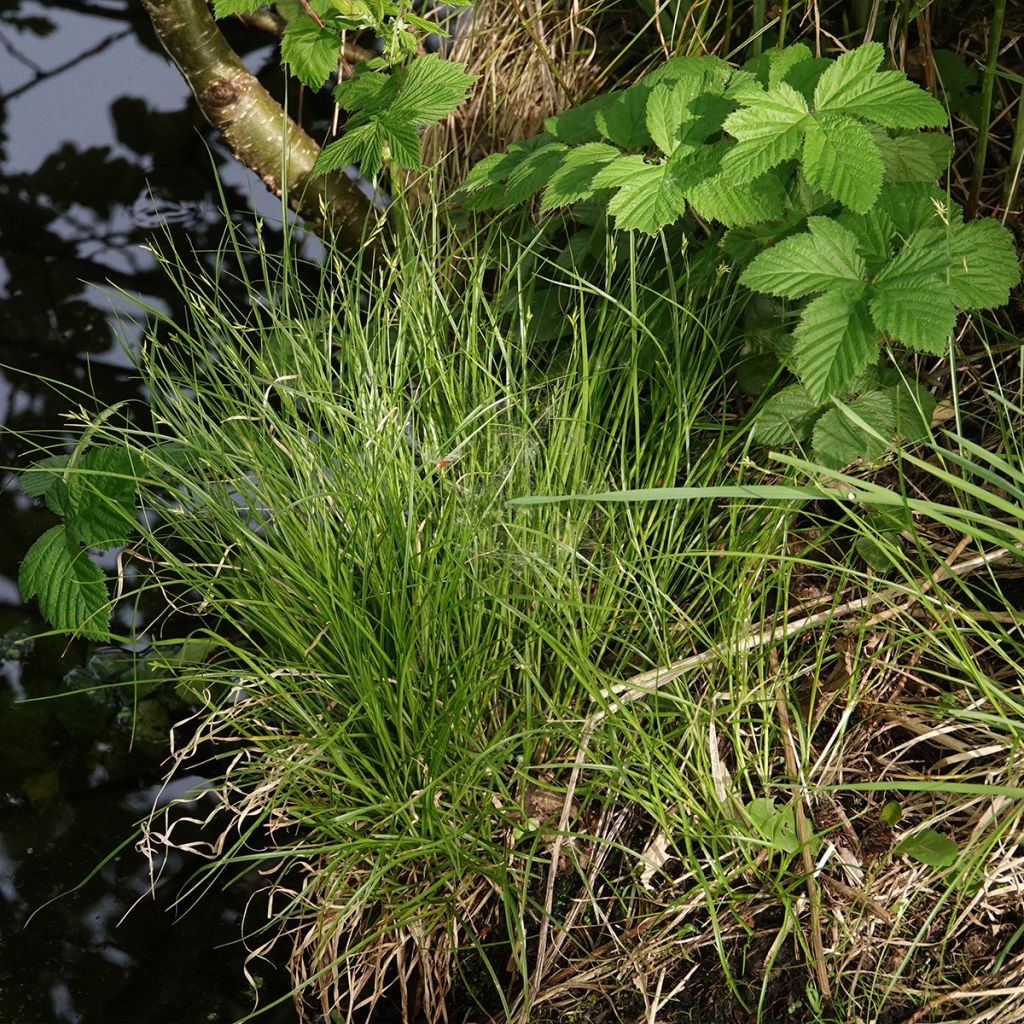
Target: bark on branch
(252, 121)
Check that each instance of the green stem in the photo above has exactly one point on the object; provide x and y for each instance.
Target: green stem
(987, 87)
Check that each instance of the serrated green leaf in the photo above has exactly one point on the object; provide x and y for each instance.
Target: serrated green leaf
(623, 120)
(914, 406)
(768, 132)
(840, 440)
(648, 202)
(929, 847)
(574, 178)
(403, 142)
(841, 159)
(102, 498)
(714, 71)
(620, 171)
(492, 170)
(310, 51)
(787, 417)
(920, 157)
(984, 264)
(823, 257)
(833, 342)
(224, 8)
(368, 90)
(781, 62)
(875, 233)
(667, 111)
(362, 145)
(716, 198)
(920, 319)
(71, 589)
(579, 124)
(429, 89)
(853, 86)
(532, 173)
(45, 479)
(911, 206)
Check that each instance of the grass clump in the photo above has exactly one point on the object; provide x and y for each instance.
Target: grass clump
(698, 756)
(406, 657)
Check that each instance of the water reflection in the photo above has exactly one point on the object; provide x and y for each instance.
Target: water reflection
(99, 145)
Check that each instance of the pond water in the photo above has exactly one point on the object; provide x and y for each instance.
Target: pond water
(99, 144)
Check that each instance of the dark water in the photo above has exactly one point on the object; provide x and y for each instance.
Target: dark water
(99, 143)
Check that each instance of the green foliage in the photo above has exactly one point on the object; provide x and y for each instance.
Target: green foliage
(389, 98)
(930, 847)
(387, 108)
(96, 495)
(825, 183)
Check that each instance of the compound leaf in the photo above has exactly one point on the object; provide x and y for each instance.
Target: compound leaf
(102, 498)
(45, 479)
(362, 145)
(814, 261)
(717, 198)
(833, 342)
(842, 159)
(911, 300)
(579, 124)
(72, 590)
(533, 172)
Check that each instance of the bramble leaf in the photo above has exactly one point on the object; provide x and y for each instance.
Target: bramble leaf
(362, 145)
(71, 589)
(224, 8)
(787, 417)
(911, 300)
(840, 440)
(716, 198)
(620, 171)
(624, 119)
(535, 171)
(853, 86)
(310, 51)
(579, 124)
(833, 342)
(841, 158)
(428, 89)
(102, 502)
(648, 201)
(984, 264)
(814, 261)
(768, 133)
(574, 178)
(920, 157)
(45, 479)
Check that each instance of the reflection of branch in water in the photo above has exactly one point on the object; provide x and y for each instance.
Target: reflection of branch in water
(42, 76)
(19, 56)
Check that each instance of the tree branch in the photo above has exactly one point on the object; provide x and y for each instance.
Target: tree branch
(252, 121)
